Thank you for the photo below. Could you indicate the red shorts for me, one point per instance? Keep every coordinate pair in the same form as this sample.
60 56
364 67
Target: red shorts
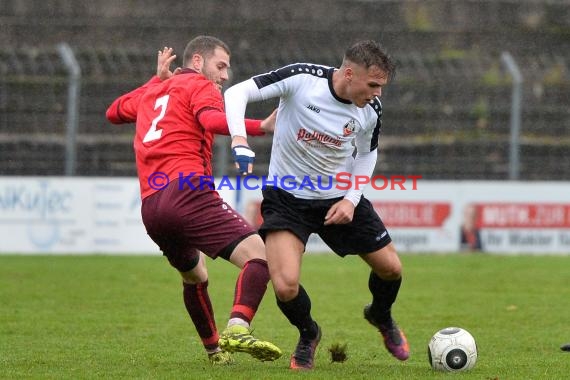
183 221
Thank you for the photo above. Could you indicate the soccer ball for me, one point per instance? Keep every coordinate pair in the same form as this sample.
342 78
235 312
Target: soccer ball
452 349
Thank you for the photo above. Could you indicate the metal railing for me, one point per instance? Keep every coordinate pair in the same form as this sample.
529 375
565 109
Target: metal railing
446 117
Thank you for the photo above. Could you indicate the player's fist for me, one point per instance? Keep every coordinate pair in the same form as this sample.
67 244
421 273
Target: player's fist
243 157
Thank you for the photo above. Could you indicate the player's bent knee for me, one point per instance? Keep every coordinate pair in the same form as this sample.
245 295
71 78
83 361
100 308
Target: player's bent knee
285 292
387 270
198 272
391 273
195 276
183 260
250 248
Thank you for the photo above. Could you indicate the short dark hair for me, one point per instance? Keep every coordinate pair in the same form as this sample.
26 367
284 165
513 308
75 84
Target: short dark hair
203 45
369 53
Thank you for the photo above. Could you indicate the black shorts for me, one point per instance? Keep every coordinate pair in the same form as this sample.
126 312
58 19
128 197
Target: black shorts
183 221
283 211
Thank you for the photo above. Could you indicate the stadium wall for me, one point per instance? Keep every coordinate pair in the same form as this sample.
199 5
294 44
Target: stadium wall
61 215
450 101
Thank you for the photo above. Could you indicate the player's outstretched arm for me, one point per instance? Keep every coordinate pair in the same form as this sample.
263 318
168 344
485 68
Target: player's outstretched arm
214 121
236 99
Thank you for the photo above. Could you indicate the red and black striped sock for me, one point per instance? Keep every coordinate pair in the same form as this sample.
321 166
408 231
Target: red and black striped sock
250 288
199 307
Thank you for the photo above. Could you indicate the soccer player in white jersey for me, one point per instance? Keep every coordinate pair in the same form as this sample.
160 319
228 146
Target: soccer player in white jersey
324 114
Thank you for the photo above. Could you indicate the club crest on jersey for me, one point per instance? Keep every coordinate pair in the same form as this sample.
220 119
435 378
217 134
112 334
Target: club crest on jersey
349 127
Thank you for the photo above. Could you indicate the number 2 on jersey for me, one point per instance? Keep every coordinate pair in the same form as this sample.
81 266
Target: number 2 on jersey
153 133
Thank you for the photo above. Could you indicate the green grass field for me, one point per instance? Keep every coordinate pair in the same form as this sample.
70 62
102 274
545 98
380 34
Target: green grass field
120 317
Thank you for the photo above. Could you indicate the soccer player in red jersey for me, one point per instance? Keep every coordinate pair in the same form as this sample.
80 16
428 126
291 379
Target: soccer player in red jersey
177 115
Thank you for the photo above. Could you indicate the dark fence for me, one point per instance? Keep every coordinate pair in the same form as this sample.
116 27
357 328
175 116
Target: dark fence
446 114
446 117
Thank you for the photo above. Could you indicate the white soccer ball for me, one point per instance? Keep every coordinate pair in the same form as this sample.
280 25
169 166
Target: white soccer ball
452 349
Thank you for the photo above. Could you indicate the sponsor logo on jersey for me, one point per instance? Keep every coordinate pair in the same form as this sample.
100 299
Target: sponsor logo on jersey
313 108
349 127
324 139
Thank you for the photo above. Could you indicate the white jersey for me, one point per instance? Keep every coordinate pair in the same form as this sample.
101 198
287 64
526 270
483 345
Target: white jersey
316 131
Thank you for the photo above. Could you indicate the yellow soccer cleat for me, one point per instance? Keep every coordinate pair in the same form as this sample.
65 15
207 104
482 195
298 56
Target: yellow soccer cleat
239 339
220 358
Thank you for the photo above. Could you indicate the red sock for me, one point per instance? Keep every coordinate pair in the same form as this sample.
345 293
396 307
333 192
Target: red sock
250 288
199 307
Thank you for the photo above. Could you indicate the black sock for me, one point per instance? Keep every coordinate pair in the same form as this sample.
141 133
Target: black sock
298 312
384 294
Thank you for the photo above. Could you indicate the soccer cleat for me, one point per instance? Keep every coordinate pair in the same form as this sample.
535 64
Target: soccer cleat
304 356
220 358
394 338
239 339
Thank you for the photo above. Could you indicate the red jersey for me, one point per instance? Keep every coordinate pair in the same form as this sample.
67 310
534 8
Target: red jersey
176 120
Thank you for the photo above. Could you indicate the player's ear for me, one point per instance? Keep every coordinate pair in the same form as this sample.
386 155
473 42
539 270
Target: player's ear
197 62
348 73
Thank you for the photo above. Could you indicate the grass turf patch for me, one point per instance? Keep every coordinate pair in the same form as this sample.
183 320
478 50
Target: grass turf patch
117 317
